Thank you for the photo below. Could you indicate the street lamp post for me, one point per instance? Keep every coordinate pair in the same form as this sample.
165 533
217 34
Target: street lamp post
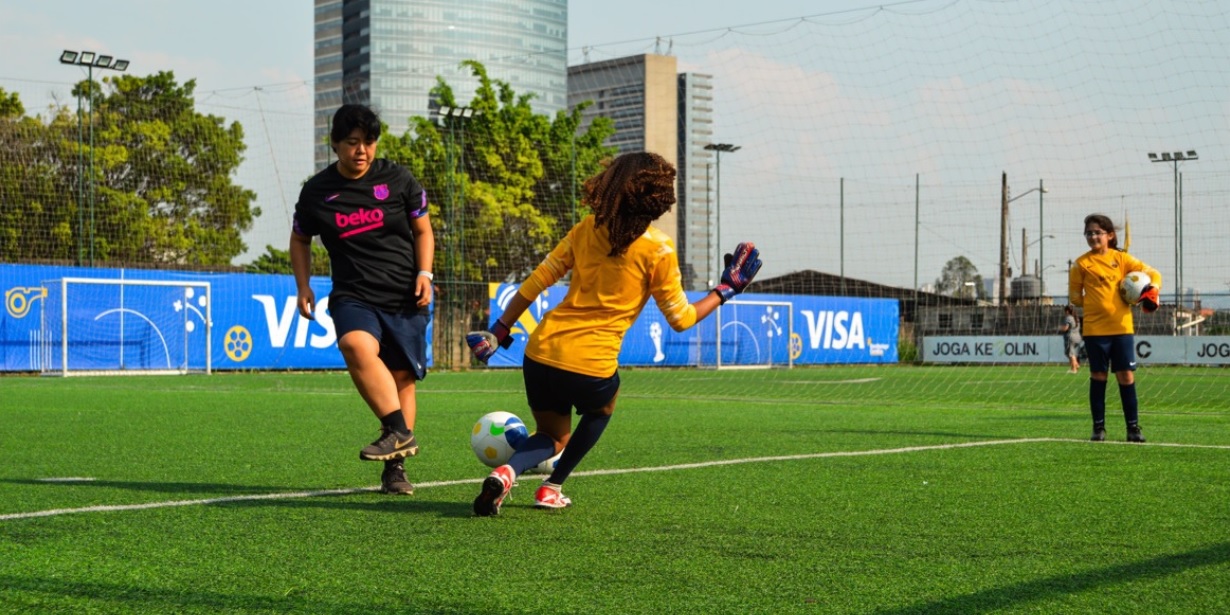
1025 258
717 217
90 61
1003 231
1174 160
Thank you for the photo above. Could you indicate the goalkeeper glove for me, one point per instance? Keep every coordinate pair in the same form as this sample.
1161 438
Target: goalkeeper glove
484 343
741 267
1149 299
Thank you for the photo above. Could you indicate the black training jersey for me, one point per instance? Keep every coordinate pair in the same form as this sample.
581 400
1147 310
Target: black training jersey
365 226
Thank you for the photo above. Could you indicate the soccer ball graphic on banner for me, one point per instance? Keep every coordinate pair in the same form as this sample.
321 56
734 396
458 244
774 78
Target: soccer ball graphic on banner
1133 284
495 437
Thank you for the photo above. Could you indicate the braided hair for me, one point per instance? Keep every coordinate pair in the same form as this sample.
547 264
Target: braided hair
634 190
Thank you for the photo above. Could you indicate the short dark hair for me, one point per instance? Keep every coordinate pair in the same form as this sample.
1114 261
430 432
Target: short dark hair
350 117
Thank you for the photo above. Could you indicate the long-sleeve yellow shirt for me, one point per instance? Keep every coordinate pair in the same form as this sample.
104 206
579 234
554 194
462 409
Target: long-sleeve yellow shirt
585 332
1093 283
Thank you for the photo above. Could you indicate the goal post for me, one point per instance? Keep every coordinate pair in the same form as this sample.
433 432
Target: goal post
750 334
112 326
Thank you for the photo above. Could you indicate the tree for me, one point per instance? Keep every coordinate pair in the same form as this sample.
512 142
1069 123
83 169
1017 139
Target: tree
278 261
162 178
956 277
166 176
501 184
36 212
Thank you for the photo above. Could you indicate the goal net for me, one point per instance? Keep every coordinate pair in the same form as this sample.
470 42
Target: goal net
96 326
747 334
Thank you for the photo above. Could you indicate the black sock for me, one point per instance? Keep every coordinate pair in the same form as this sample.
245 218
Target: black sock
1127 393
1097 400
535 450
395 421
588 430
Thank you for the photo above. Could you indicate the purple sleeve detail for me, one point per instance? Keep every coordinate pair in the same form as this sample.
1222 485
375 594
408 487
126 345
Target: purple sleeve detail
421 209
298 230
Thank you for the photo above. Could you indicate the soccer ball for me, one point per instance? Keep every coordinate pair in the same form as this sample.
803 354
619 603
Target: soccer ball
495 437
1134 284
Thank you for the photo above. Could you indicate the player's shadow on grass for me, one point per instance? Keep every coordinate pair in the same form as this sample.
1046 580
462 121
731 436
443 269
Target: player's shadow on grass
1014 596
377 502
315 497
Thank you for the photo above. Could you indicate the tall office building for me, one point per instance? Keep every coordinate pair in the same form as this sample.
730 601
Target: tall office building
697 183
387 54
640 94
655 109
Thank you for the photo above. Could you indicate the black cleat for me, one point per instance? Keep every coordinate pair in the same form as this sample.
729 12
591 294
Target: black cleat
1099 432
393 479
1134 435
389 446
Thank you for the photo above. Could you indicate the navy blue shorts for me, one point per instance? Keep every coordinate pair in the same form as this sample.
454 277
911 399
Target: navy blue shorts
1111 353
550 389
402 337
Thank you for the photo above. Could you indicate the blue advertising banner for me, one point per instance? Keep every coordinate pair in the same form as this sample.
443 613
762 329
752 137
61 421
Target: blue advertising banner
755 329
161 326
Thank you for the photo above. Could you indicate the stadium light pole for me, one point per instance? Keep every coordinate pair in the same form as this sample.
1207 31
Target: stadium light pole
717 217
1174 159
90 61
450 117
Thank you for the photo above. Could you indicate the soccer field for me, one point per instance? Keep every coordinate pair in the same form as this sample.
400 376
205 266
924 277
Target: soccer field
813 490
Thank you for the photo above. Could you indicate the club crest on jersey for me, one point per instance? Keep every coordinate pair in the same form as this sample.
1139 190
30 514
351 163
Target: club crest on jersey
381 192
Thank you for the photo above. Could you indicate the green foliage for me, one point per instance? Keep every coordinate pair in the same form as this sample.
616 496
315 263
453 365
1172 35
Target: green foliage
161 182
278 261
953 278
504 184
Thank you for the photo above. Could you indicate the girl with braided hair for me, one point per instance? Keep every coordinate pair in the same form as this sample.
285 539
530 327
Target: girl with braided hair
618 261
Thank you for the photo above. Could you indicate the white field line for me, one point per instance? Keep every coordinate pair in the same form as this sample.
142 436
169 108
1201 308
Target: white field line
448 483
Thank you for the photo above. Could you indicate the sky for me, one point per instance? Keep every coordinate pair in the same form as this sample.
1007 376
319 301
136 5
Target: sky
869 130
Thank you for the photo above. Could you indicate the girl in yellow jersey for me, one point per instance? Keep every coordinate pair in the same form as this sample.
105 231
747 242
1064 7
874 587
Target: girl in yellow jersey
1093 283
618 261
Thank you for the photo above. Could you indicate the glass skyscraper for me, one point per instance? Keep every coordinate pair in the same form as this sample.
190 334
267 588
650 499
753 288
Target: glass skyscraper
387 54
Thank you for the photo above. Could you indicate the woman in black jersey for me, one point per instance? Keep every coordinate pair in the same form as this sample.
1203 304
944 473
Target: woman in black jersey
371 216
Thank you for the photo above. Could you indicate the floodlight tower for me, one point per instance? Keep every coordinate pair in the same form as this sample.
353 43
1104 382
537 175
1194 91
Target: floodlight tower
90 61
717 218
1174 159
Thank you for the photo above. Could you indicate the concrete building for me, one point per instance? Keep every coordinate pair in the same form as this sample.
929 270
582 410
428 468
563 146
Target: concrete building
656 109
387 54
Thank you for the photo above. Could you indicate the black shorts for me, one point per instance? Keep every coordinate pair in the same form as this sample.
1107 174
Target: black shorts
550 389
402 337
1111 353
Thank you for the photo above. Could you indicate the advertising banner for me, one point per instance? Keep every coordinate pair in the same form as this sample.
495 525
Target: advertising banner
255 323
1150 349
752 330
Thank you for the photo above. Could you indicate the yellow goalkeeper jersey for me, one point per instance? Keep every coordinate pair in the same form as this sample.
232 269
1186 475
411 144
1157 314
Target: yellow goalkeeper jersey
1093 283
585 332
